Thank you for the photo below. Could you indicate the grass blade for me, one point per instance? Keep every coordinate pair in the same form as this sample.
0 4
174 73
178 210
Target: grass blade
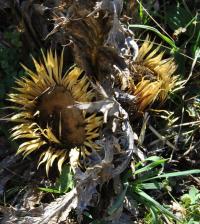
164 37
150 166
157 205
118 203
176 174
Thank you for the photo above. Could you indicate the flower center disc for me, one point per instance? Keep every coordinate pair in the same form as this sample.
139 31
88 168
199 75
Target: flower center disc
67 124
141 71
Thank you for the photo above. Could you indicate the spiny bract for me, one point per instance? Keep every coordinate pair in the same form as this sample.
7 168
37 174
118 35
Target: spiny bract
48 120
151 75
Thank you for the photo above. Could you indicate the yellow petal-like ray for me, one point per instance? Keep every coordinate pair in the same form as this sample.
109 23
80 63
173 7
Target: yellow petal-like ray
28 95
155 75
61 161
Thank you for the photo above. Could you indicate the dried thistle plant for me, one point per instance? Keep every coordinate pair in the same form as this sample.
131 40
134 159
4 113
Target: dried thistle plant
46 117
151 76
95 33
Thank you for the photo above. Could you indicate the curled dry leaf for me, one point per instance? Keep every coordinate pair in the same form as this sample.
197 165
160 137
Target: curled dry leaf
97 35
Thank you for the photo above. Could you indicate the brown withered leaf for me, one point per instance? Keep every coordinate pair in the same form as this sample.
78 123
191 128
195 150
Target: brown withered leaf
32 198
42 214
96 33
35 24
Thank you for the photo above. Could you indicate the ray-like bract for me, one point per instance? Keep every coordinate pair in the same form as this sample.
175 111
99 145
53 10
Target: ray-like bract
153 77
49 83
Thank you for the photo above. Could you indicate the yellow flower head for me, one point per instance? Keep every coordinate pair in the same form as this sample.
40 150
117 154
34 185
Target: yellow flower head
48 120
152 76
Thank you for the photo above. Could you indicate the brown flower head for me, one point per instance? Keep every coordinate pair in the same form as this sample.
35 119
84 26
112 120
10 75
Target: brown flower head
152 76
47 120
